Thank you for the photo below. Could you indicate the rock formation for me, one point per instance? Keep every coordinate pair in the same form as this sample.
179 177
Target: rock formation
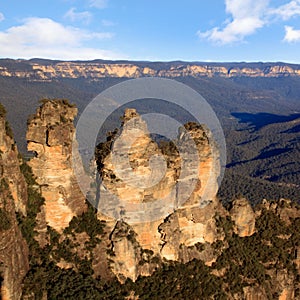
11 167
248 253
243 216
193 229
169 235
13 198
50 135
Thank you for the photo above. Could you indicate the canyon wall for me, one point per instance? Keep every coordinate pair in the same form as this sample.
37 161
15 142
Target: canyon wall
13 198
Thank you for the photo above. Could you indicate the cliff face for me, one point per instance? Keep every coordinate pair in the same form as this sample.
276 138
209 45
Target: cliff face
247 253
50 135
13 198
93 70
11 167
172 235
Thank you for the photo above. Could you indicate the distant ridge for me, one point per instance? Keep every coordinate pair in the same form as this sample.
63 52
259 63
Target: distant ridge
47 70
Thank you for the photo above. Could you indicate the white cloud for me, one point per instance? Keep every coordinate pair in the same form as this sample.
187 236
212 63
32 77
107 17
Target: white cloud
288 10
98 3
43 37
291 34
1 17
233 32
246 8
247 17
84 16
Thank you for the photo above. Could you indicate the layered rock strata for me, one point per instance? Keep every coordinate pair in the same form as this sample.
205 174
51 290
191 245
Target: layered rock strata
13 198
50 135
48 71
171 235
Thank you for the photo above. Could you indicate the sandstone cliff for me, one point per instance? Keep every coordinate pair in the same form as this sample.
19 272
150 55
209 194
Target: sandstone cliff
13 198
244 217
50 135
166 234
50 70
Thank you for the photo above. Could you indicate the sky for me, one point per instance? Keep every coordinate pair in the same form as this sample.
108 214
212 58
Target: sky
165 30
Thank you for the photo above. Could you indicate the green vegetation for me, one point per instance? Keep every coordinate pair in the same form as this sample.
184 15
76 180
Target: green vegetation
89 223
27 223
248 260
236 185
2 111
45 278
5 222
103 149
8 130
7 126
180 281
242 262
63 119
35 201
3 185
57 102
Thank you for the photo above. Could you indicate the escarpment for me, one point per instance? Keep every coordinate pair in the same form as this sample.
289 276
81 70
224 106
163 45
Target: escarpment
13 198
51 70
50 136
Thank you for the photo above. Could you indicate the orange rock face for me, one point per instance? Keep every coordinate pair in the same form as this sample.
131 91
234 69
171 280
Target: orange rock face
50 135
13 198
244 217
94 70
171 233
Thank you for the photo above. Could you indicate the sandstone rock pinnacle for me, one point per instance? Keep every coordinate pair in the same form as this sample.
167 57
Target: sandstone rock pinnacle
50 135
173 236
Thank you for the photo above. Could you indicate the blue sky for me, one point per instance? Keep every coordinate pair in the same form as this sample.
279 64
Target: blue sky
191 30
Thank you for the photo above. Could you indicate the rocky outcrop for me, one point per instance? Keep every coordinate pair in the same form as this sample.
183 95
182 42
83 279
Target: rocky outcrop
50 135
11 167
194 229
194 223
284 208
254 293
13 198
244 217
51 70
126 251
170 235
